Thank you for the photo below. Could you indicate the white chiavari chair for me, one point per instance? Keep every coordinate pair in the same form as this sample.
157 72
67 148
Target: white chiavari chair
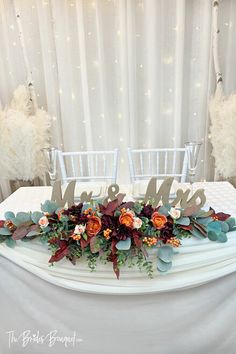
159 162
99 168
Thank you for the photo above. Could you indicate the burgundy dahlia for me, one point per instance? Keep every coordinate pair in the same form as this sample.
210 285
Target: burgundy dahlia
167 232
147 211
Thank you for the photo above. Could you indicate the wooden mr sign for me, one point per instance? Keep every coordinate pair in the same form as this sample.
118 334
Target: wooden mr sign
157 197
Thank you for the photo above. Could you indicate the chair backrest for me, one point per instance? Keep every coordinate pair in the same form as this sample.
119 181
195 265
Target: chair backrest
88 166
147 163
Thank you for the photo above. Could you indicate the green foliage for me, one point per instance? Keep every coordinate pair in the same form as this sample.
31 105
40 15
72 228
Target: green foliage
9 215
5 232
231 223
137 207
10 242
164 210
224 226
49 206
3 238
124 245
23 217
204 221
163 266
212 236
165 253
222 237
36 216
214 226
184 220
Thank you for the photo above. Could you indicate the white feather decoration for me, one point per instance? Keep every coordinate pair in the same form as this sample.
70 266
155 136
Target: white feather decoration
223 134
22 138
223 113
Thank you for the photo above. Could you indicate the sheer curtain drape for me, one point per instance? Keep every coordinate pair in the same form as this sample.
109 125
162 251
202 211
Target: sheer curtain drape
119 73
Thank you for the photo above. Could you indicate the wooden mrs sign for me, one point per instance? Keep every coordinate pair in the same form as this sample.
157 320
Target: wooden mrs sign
152 194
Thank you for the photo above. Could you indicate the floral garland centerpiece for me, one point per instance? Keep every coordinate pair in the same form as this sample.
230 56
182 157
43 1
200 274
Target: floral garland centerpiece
115 231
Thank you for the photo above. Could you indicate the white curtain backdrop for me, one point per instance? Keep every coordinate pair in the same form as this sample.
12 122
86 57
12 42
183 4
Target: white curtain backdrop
119 73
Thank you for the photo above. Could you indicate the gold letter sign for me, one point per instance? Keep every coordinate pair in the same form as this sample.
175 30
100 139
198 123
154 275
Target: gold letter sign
198 199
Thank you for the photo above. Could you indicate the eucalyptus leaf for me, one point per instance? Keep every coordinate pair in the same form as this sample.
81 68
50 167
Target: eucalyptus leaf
23 217
230 222
9 215
85 207
165 253
224 226
49 206
36 216
16 222
214 226
3 238
183 221
32 233
124 245
222 237
196 233
163 266
163 210
10 242
4 231
213 236
204 221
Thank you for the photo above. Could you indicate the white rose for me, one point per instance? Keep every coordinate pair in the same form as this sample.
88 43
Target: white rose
43 221
79 229
175 213
137 223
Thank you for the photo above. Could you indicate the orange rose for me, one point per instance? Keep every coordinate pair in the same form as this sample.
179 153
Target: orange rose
158 220
93 226
127 219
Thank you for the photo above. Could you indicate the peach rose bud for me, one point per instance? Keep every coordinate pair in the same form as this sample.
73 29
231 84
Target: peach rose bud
137 223
43 221
175 213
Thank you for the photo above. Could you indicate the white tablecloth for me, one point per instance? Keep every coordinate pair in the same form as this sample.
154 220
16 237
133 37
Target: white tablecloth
163 317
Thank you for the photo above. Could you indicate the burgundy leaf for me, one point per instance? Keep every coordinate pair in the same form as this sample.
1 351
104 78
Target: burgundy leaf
2 222
20 232
94 245
72 259
189 227
113 246
61 253
84 243
128 205
137 240
221 216
112 206
34 228
115 266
